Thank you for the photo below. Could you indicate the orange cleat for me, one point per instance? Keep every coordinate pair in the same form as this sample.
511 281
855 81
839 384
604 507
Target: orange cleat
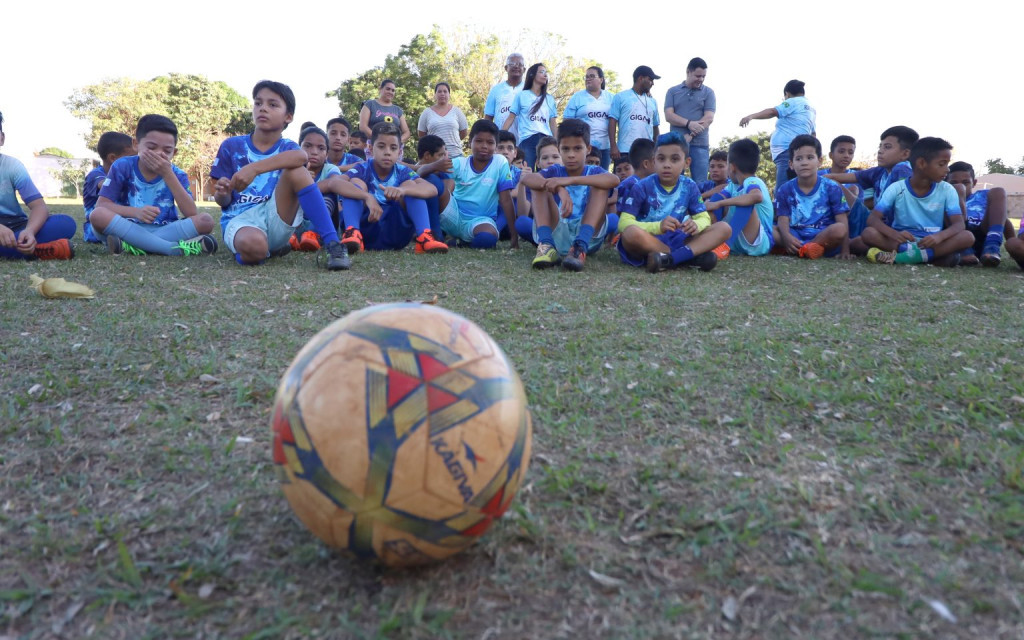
426 243
722 251
56 250
353 240
293 242
310 241
811 251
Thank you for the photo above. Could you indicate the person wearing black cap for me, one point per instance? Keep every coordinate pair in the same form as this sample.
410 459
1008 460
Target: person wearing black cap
634 112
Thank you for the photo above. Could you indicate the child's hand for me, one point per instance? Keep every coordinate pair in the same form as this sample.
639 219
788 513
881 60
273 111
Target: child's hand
26 242
689 226
669 224
443 165
147 213
7 238
792 244
744 121
927 242
222 188
155 162
844 254
906 236
374 209
552 185
566 207
243 178
392 193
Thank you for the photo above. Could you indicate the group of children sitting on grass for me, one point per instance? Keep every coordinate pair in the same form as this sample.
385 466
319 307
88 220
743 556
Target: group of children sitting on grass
331 193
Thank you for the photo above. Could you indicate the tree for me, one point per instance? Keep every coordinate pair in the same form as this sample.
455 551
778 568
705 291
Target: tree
471 62
116 105
995 165
71 174
766 167
55 151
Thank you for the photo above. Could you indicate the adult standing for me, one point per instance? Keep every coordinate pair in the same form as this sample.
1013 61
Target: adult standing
444 120
499 99
634 113
796 116
592 105
690 110
383 109
533 112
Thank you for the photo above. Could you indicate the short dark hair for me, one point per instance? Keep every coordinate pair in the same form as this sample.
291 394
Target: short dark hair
838 140
600 74
483 126
745 154
624 159
311 128
385 129
594 153
155 122
429 144
281 89
305 125
505 135
641 149
113 142
794 88
927 148
720 156
906 136
696 63
805 140
520 154
546 141
358 135
339 120
442 84
962 166
574 128
387 81
673 138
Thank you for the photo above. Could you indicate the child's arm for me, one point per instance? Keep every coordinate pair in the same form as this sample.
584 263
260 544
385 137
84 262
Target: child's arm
348 189
416 188
752 197
842 178
38 212
764 114
440 166
284 160
717 188
603 180
145 214
505 200
163 168
523 203
877 221
364 121
955 225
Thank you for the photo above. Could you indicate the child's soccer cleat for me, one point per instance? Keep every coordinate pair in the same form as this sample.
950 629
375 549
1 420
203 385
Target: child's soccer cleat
950 260
704 262
811 251
878 256
722 251
657 261
968 258
575 259
426 243
989 259
56 250
353 240
117 246
613 240
281 251
205 245
310 241
337 257
547 256
293 242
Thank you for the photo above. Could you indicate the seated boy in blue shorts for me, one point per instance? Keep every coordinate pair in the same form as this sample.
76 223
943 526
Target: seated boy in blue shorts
718 174
435 167
138 206
746 202
112 145
39 235
483 183
663 223
919 219
985 217
811 215
264 189
384 202
576 223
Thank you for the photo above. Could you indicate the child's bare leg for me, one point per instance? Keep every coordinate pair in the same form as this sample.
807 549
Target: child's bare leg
831 236
639 242
251 245
873 238
1015 247
953 244
709 238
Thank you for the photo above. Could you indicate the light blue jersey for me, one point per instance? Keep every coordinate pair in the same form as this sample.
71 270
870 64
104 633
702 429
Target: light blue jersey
977 208
499 102
910 212
578 193
648 201
14 179
796 117
815 210
477 193
765 210
237 152
636 114
593 111
125 185
532 124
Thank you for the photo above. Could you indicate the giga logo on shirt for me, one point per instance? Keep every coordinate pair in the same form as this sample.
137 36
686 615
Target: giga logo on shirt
597 114
537 118
641 118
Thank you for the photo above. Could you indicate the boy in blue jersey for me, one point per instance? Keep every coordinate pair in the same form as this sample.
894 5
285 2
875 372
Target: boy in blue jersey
112 145
582 200
435 167
663 222
338 137
634 113
985 217
718 174
641 161
138 206
483 183
39 235
384 202
746 202
919 219
314 142
811 217
264 189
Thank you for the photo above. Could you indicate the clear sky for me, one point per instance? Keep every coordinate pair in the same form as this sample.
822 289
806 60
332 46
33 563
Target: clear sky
939 67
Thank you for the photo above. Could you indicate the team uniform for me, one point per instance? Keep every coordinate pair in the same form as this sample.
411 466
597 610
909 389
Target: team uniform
90 193
875 181
595 112
648 203
499 103
810 213
349 158
796 117
475 200
330 199
14 180
765 213
126 186
920 215
567 229
636 116
395 229
532 126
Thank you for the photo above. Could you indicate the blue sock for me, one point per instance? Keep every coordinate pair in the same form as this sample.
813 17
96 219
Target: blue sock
524 227
682 254
484 240
584 236
904 246
434 206
544 235
927 254
351 212
417 210
315 210
613 223
993 240
739 219
140 238
238 259
969 251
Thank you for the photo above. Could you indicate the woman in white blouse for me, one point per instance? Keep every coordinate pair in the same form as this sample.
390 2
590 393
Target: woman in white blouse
445 120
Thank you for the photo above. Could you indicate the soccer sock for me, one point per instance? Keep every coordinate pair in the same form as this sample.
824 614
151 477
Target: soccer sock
417 210
434 206
613 224
585 235
484 240
682 254
351 212
57 226
906 246
993 240
524 227
177 231
927 255
140 238
739 219
314 208
912 255
544 235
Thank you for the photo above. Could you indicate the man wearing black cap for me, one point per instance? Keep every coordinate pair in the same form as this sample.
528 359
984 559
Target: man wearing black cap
634 113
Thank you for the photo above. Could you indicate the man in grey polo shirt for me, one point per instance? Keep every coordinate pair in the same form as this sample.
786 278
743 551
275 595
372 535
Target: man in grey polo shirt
690 109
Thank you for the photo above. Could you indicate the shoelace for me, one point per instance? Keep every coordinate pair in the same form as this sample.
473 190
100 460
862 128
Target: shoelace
130 250
193 248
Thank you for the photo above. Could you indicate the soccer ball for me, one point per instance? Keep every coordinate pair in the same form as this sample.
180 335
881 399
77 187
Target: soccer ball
400 433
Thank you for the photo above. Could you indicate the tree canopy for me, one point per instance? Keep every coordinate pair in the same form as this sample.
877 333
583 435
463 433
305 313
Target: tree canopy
766 167
996 165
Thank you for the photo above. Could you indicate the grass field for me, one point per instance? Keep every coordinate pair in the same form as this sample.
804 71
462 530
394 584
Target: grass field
775 449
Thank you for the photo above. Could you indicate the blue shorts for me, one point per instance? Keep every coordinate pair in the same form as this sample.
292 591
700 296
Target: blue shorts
453 223
858 219
264 217
565 232
672 239
392 232
759 247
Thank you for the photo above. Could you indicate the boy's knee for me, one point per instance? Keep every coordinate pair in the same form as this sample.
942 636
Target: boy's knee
297 177
251 244
100 218
203 223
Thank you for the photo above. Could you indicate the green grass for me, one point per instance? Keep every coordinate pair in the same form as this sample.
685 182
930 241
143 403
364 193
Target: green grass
819 449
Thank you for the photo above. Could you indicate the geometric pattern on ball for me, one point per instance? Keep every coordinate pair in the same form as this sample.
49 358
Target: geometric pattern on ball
420 401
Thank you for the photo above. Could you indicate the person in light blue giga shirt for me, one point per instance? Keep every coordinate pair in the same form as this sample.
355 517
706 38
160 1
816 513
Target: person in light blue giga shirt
634 113
795 117
499 99
593 105
533 112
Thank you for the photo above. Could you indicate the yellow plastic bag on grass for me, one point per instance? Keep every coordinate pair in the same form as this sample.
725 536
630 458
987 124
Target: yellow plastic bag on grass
60 288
